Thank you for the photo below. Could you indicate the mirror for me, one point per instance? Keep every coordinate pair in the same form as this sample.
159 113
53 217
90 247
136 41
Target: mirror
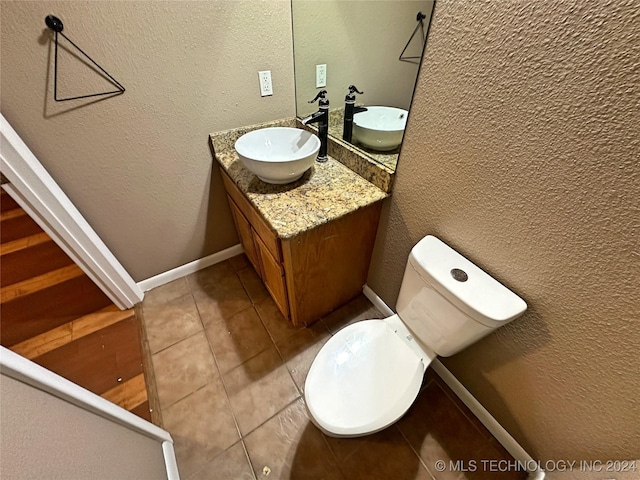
361 43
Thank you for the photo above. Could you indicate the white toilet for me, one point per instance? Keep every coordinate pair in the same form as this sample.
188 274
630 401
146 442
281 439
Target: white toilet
369 373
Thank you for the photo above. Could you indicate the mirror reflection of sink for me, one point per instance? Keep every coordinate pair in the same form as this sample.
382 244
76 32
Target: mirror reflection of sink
278 154
380 128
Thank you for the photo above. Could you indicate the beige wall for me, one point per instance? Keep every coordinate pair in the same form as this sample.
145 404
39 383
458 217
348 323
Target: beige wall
360 42
138 165
522 153
44 436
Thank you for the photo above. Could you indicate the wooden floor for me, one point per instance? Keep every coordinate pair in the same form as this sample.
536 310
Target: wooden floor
54 315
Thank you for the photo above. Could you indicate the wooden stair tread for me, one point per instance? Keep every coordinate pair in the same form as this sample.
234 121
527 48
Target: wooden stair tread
6 202
23 243
129 394
101 360
13 213
41 282
31 262
18 227
64 334
46 309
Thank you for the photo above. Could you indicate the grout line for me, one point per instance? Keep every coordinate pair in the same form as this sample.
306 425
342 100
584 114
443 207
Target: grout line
176 342
215 360
248 457
420 460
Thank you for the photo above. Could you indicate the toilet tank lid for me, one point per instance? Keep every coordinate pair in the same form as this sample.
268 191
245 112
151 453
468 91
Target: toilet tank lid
464 284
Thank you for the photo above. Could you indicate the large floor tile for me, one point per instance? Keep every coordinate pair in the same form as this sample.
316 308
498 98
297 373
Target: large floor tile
291 447
252 283
220 299
211 275
183 368
385 455
233 463
240 262
300 349
279 327
438 430
167 292
169 322
258 389
238 339
202 427
360 308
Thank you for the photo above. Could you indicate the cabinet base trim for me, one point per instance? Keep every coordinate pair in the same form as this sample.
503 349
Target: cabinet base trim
189 268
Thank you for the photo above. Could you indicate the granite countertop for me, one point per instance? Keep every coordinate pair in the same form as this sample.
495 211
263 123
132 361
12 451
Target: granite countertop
326 192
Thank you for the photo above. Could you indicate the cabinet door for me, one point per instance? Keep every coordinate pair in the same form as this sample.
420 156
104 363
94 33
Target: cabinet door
273 277
246 237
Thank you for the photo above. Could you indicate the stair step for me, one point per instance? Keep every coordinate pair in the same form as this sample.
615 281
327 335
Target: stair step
16 227
32 262
13 213
102 360
78 328
41 282
22 243
6 202
129 394
47 309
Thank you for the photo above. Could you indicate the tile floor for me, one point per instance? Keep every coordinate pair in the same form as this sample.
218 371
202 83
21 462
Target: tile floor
230 373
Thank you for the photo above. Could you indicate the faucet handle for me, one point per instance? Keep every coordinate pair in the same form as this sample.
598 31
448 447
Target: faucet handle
322 95
351 96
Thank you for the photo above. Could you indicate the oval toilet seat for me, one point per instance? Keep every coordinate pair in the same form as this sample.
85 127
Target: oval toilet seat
363 379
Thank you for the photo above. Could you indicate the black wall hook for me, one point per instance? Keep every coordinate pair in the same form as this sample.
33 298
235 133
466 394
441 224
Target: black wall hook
55 24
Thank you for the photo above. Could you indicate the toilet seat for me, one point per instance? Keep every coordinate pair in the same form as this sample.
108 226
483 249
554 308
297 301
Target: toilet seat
364 378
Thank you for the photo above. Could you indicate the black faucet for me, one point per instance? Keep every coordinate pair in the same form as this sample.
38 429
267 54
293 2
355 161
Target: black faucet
321 117
350 110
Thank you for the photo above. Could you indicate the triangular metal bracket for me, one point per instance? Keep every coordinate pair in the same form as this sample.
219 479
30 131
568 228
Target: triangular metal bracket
55 24
415 59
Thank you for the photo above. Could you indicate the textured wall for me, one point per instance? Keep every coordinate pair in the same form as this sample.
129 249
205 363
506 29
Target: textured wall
338 33
138 166
46 437
522 152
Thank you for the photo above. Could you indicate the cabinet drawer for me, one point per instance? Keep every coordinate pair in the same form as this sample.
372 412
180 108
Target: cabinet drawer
269 238
273 277
246 236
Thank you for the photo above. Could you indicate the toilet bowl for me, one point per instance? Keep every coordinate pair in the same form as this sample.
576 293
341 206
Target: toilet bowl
369 373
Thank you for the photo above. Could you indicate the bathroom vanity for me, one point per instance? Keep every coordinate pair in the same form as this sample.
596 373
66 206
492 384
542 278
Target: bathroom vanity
310 241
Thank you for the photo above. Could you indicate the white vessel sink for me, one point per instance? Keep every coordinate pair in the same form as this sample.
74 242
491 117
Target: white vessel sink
380 128
278 154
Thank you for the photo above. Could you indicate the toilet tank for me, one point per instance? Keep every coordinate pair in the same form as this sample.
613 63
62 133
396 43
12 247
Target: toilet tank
448 302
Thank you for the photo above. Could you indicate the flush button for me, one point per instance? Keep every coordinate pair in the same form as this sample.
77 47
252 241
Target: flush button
459 275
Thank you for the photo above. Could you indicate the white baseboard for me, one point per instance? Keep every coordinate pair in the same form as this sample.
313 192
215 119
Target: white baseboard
188 268
506 440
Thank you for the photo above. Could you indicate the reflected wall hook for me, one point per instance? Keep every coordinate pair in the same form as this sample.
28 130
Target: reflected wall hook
55 24
419 18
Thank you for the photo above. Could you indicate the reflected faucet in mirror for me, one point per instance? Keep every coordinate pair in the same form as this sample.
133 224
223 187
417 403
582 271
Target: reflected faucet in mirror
339 35
321 117
350 109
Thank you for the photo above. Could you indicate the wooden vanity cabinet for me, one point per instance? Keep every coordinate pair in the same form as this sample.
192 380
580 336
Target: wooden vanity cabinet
314 272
